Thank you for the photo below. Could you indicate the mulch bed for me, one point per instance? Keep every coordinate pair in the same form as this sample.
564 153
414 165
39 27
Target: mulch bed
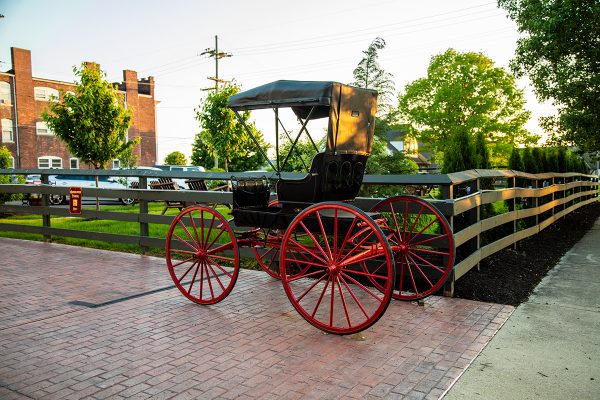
509 276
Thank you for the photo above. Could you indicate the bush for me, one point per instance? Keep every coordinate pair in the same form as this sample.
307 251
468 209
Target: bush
5 163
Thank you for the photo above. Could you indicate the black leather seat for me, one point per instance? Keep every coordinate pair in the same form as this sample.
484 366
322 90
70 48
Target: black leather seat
332 177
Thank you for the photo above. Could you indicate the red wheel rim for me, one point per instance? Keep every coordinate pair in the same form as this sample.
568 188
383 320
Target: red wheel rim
422 242
328 275
267 256
202 255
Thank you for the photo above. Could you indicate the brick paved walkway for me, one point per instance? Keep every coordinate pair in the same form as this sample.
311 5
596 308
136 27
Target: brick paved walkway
117 342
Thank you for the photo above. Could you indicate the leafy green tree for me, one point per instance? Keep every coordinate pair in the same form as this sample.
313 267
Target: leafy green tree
515 162
5 163
538 157
175 158
201 155
300 159
466 92
129 158
481 149
252 159
559 51
459 154
529 164
223 134
561 159
92 122
369 75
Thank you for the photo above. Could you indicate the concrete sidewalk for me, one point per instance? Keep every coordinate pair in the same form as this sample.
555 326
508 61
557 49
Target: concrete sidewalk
550 346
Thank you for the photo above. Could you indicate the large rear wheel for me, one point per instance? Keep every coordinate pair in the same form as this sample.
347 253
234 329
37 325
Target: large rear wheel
339 268
422 242
202 255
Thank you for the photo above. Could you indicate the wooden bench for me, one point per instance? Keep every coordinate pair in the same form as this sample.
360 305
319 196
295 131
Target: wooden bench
200 184
168 184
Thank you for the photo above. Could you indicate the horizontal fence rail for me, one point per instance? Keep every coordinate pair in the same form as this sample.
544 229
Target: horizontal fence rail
532 202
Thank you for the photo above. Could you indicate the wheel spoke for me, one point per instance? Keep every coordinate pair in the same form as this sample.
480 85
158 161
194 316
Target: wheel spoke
315 241
428 262
412 228
215 275
186 272
368 274
412 278
207 234
215 239
347 238
183 251
404 221
423 230
298 276
321 296
299 298
343 300
420 270
229 274
442 253
306 249
357 246
185 242
363 287
193 279
431 239
358 303
332 303
324 235
335 234
182 262
195 229
186 231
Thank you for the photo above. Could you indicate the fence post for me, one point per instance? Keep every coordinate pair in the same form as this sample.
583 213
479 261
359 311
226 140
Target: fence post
448 194
144 229
46 212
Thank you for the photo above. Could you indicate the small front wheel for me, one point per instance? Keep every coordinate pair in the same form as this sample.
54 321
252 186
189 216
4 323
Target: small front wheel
202 255
339 268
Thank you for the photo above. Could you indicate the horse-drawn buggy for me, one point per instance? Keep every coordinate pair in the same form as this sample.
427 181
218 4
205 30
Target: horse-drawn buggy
339 265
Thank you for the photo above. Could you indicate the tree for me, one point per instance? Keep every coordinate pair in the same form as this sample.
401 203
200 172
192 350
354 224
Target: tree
201 155
175 158
481 150
129 158
559 51
466 92
369 75
5 163
223 135
515 162
459 154
300 159
92 122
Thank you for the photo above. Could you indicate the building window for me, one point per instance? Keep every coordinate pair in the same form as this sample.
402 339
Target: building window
45 93
7 130
5 96
49 162
12 162
74 163
116 164
41 128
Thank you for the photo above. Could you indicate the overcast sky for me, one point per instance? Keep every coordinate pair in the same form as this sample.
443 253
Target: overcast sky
268 40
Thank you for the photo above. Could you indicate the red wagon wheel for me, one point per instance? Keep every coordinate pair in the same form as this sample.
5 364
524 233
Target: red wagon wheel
202 255
268 255
422 242
332 253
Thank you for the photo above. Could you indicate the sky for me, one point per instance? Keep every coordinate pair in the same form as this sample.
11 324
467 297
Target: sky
267 39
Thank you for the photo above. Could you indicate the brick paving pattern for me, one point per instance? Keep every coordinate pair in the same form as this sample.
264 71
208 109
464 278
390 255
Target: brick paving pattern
251 345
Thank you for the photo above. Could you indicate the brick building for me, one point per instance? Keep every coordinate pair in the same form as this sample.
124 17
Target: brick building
23 98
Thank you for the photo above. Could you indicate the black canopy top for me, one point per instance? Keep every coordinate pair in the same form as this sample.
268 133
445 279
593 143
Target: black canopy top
351 110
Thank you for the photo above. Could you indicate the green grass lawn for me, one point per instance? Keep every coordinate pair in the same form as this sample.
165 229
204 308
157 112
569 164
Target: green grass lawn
92 225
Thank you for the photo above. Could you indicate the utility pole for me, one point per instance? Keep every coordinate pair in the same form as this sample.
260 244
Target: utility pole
217 55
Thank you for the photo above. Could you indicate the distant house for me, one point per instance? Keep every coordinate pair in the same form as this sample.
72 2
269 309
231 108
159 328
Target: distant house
32 144
399 142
